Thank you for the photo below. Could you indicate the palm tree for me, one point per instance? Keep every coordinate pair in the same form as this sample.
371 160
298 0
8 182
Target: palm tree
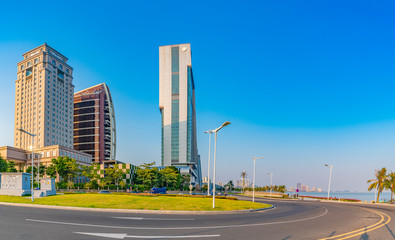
389 183
378 182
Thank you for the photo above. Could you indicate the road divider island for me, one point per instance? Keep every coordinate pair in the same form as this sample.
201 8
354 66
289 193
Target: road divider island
140 202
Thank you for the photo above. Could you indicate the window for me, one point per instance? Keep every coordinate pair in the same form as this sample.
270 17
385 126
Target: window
29 64
53 62
36 61
29 72
60 66
60 75
22 67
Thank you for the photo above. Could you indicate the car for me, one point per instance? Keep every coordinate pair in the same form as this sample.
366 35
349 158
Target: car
104 191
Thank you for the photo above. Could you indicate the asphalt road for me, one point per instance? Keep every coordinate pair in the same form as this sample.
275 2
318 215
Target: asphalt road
289 220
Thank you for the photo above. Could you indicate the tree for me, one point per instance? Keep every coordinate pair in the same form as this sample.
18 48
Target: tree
122 184
29 170
92 172
282 189
89 185
185 179
378 182
42 169
11 167
169 176
3 165
103 183
114 175
148 175
230 185
64 167
70 185
389 183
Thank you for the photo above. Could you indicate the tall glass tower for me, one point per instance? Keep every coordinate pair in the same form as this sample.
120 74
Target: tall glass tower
177 106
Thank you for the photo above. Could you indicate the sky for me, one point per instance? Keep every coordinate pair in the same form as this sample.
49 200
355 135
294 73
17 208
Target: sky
304 83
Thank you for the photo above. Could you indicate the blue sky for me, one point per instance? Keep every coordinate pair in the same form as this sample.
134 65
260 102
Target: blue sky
304 83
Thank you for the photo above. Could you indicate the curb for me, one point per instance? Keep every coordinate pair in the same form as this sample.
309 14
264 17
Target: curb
133 210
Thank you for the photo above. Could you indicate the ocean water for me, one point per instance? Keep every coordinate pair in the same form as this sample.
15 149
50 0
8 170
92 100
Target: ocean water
363 196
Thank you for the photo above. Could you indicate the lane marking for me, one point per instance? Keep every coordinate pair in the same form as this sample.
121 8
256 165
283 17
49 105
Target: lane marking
361 229
365 229
158 219
122 236
180 228
369 230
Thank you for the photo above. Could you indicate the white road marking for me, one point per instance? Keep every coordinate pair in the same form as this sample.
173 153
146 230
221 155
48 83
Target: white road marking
159 219
122 236
179 228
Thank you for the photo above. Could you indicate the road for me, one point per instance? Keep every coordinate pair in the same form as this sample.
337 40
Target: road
289 220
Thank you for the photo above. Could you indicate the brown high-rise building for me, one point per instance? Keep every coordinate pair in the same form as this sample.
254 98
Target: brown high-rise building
94 123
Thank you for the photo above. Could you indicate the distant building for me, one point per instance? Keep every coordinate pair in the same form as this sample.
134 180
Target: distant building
305 188
299 186
205 180
178 110
94 123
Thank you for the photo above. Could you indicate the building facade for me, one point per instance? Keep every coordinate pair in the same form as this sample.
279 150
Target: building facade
94 123
44 99
177 107
128 170
43 156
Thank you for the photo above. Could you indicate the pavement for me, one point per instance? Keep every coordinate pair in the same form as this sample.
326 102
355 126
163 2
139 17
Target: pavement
288 220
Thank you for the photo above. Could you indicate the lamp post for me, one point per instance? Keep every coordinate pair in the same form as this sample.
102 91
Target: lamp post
209 147
330 176
271 182
38 171
215 155
32 135
253 181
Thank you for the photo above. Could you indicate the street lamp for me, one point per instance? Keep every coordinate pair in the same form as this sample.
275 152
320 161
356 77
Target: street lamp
215 155
209 147
330 175
253 181
32 135
271 182
38 170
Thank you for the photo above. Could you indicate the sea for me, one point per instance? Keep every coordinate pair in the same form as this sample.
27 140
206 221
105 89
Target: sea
363 196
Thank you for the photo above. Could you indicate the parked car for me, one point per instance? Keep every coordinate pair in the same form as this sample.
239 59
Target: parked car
156 190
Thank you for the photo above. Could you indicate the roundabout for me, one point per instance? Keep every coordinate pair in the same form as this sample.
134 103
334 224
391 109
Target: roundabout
288 220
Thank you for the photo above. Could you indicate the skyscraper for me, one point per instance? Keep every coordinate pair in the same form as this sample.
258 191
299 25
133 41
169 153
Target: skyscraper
44 106
44 99
177 106
94 123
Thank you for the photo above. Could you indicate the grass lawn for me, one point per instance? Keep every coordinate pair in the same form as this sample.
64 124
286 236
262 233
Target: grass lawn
123 201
